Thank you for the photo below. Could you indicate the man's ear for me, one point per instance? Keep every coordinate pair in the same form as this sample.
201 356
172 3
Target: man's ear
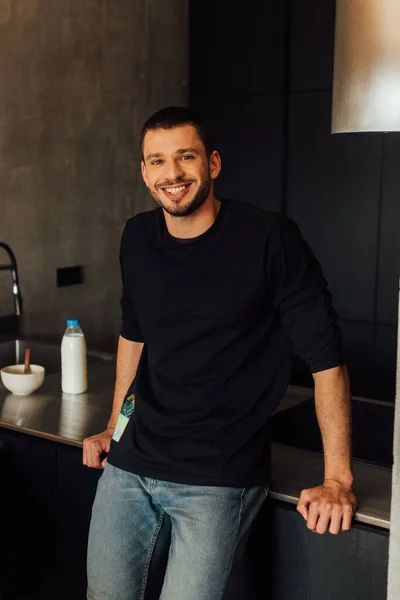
215 164
144 173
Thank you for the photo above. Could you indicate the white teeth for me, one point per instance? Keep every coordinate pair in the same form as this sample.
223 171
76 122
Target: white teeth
175 190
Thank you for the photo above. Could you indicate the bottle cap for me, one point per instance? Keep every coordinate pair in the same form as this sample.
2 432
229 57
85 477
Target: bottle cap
72 322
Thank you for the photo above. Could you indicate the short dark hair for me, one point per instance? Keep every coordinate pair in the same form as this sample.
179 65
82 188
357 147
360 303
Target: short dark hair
176 116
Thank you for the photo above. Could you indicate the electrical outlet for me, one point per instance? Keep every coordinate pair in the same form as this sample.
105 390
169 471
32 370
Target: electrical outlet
69 276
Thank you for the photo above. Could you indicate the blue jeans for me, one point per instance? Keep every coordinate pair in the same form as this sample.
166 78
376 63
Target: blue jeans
209 528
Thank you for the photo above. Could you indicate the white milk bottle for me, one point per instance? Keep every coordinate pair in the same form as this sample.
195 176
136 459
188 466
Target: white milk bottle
73 359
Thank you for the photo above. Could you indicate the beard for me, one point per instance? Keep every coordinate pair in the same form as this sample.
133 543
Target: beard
192 206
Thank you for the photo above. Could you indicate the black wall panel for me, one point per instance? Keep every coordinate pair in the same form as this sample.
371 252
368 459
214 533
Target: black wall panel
389 256
312 42
333 189
385 363
237 47
263 76
358 344
248 134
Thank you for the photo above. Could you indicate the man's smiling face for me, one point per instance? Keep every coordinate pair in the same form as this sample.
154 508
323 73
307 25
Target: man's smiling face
176 169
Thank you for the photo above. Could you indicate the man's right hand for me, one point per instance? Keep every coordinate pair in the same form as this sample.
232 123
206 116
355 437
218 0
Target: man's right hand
94 447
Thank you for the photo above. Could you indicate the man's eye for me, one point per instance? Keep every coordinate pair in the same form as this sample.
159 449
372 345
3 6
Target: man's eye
187 156
156 162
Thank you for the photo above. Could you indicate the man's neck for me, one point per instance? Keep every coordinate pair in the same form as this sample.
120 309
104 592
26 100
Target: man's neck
196 224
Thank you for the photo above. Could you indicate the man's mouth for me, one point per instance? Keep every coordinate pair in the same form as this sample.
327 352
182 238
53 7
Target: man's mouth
176 192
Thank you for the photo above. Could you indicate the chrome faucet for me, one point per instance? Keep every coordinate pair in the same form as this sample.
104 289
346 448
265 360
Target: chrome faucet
12 267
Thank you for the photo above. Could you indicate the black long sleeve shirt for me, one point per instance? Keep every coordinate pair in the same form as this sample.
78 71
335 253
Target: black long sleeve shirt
219 315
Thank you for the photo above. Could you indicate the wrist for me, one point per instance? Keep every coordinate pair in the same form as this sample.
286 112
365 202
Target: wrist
345 481
110 428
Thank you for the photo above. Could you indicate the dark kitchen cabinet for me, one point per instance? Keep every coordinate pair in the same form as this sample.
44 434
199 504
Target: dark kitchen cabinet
4 562
46 498
76 486
29 517
285 561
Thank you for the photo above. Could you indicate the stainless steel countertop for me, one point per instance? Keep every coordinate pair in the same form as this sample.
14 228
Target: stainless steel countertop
69 419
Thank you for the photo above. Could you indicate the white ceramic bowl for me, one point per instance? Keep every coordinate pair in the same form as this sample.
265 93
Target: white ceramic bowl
20 383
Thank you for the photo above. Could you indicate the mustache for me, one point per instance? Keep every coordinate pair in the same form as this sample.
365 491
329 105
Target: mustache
171 183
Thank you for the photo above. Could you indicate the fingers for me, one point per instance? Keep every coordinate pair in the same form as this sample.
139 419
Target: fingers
86 459
84 453
325 514
336 520
96 450
347 516
302 505
92 455
92 449
313 516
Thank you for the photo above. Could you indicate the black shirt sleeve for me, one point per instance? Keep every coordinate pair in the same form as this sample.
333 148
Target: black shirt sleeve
301 297
130 327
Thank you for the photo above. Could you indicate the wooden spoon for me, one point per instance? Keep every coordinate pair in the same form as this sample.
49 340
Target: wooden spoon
27 368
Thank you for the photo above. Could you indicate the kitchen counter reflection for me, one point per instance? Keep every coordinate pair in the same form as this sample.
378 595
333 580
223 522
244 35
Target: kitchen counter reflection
36 411
53 415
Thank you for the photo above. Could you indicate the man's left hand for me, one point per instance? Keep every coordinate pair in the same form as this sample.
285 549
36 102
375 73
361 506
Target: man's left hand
328 507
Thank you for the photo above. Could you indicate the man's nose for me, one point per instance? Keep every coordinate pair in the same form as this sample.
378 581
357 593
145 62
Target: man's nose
173 170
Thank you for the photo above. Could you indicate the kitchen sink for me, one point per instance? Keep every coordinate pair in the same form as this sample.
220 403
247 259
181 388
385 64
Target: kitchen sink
42 353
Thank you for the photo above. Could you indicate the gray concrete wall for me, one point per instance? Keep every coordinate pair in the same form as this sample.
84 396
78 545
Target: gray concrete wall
77 80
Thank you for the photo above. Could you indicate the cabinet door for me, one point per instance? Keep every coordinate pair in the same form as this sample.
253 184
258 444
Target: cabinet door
5 583
76 491
29 514
288 562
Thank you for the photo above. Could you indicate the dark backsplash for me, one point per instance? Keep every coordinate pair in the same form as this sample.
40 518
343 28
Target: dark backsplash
372 430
